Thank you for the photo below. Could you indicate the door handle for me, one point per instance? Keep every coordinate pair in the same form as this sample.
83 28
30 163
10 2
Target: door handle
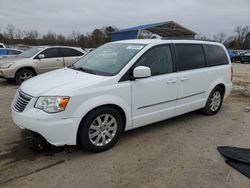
184 79
58 59
171 81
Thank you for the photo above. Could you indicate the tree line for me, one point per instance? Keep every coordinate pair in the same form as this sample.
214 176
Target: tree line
240 40
12 35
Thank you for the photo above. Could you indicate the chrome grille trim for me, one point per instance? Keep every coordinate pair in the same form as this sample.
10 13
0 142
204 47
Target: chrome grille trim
21 101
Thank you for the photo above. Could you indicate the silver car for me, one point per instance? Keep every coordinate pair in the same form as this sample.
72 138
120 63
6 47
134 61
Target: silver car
38 60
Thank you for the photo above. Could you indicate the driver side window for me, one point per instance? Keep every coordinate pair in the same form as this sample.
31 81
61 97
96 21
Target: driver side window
51 53
158 59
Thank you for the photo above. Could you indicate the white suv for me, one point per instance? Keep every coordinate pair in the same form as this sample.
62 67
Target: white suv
123 85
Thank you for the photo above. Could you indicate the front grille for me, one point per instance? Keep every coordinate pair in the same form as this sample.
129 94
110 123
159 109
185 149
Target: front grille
21 102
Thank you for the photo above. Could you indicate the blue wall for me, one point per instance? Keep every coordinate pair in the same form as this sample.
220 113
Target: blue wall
124 35
3 51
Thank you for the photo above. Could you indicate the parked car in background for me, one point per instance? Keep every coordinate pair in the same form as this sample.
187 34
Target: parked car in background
243 58
233 54
121 86
7 52
38 60
2 45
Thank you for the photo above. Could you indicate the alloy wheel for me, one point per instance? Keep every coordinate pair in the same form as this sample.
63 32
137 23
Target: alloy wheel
25 76
102 130
215 101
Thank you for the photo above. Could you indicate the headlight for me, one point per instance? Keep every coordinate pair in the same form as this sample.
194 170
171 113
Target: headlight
6 65
52 104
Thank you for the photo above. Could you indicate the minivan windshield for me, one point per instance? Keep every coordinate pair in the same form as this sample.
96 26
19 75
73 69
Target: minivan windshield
108 59
31 52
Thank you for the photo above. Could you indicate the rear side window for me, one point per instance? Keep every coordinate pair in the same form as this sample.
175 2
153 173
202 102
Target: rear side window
191 56
69 52
215 55
158 59
51 53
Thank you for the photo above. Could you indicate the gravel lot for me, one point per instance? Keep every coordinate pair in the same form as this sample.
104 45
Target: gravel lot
180 152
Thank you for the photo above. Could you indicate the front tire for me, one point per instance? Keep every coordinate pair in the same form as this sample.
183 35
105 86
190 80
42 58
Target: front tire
214 101
100 129
23 75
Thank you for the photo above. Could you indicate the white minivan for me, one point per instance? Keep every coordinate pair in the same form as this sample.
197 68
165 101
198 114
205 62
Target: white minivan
121 86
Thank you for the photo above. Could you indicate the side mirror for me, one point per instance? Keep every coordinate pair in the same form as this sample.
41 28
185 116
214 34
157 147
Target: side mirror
41 56
141 72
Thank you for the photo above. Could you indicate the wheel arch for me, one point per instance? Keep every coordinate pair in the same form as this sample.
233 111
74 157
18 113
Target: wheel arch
218 83
26 67
222 86
115 106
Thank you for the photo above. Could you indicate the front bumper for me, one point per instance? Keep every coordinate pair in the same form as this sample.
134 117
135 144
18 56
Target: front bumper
55 129
7 74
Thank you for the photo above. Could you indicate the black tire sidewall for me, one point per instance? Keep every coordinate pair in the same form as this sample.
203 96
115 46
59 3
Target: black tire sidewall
83 137
20 72
207 110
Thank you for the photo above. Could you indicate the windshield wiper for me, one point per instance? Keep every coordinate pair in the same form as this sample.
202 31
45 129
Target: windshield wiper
85 70
88 71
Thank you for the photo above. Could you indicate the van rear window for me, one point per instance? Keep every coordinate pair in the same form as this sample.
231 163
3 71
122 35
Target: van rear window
215 55
191 56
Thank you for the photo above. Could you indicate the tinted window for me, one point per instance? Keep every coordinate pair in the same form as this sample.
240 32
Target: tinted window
69 52
1 46
51 53
191 56
158 59
215 55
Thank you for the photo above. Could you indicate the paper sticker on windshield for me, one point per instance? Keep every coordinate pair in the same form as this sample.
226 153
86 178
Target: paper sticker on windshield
134 47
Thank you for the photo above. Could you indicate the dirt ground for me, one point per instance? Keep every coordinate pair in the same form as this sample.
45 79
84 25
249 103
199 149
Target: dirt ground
180 152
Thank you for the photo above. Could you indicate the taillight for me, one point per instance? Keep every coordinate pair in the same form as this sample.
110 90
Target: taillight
232 73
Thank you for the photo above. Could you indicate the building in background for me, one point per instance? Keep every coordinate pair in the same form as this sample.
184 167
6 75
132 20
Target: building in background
163 30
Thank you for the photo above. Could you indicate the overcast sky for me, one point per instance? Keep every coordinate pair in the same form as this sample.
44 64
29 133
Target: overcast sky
63 16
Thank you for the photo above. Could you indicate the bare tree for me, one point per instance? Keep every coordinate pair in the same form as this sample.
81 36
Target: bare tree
10 31
19 34
32 34
241 35
247 41
220 37
200 36
61 39
49 38
230 42
75 36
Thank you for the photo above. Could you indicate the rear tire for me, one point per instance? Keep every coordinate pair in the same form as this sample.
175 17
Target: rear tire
23 75
214 101
100 129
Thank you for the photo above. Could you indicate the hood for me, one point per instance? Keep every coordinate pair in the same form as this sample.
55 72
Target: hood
59 82
9 59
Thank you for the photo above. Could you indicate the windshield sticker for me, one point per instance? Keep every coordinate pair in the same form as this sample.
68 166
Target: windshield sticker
134 47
